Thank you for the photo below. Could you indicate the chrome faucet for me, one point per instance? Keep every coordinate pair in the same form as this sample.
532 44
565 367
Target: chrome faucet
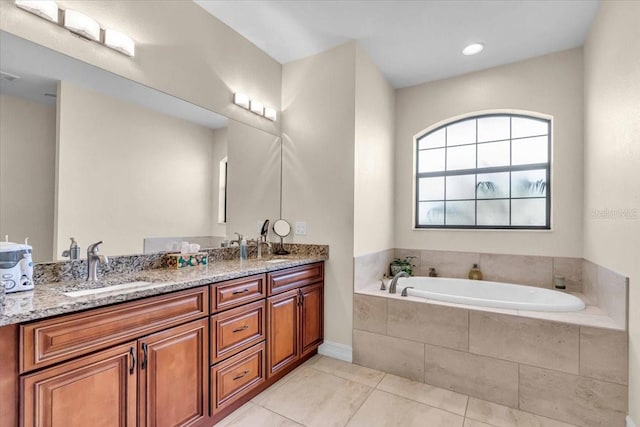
260 243
238 240
394 281
93 258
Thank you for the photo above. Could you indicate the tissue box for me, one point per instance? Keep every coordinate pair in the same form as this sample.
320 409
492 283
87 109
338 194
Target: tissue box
186 260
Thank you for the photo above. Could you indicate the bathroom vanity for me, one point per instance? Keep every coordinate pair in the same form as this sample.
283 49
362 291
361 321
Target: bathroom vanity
184 357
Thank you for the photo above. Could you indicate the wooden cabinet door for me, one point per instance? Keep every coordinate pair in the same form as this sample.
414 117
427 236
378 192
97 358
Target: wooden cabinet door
174 389
311 318
282 317
97 391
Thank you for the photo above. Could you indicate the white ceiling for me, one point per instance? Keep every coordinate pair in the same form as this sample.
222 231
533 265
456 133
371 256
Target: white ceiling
411 41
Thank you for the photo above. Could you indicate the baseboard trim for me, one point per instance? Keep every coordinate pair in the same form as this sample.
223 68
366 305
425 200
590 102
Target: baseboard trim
338 351
630 422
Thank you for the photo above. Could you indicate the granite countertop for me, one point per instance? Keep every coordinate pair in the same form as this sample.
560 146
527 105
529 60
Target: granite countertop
49 299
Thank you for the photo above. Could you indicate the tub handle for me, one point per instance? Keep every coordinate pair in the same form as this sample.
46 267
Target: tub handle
404 291
382 286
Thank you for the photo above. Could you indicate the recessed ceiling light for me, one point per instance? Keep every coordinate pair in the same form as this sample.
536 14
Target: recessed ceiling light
473 49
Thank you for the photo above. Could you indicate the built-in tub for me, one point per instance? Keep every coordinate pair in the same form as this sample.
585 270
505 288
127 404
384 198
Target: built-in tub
489 294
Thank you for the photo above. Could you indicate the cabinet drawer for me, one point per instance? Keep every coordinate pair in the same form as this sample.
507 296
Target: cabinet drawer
53 340
280 281
236 329
234 377
236 292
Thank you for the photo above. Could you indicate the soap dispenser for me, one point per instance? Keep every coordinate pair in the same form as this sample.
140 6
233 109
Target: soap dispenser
243 249
475 273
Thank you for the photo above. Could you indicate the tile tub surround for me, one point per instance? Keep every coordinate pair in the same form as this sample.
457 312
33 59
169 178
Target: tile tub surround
48 299
509 360
371 267
600 286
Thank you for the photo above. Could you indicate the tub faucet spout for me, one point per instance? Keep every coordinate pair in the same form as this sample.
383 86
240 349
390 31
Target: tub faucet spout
394 281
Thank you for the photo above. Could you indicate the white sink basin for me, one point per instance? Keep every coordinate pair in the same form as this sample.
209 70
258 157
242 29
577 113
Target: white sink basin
120 289
273 261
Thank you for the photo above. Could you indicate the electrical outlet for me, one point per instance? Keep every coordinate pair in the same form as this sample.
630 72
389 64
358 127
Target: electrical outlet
301 228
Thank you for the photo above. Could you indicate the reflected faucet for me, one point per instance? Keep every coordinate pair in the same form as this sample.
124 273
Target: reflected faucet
93 258
394 281
263 241
238 240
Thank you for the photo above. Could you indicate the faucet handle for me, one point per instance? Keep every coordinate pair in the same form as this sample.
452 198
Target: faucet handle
93 248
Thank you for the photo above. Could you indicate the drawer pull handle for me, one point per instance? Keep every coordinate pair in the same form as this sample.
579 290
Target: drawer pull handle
241 292
132 369
145 351
242 375
241 328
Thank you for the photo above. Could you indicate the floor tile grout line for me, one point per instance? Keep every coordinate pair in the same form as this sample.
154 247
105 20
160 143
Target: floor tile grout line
361 405
283 416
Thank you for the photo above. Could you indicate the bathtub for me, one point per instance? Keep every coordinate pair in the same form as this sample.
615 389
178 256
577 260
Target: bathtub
489 294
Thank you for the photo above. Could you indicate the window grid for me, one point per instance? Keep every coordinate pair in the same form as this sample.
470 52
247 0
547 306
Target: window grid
485 170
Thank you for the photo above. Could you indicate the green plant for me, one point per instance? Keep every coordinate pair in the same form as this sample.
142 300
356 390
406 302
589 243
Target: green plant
402 264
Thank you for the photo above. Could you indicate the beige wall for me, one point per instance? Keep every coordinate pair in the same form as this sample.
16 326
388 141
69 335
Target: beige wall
253 183
612 158
551 85
374 153
27 151
196 57
318 99
220 151
126 173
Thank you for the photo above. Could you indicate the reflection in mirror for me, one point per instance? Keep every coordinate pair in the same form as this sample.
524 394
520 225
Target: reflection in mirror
88 154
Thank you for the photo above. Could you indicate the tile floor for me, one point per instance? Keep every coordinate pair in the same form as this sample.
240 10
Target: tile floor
329 392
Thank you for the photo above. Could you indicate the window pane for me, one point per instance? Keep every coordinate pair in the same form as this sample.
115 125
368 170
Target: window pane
432 140
493 212
521 127
529 183
494 154
530 150
461 133
431 213
461 213
461 157
431 160
528 212
493 185
493 129
461 187
431 188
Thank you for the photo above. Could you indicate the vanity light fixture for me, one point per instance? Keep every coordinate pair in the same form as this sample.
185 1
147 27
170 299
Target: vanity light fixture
241 99
473 49
43 8
257 107
119 41
82 25
270 113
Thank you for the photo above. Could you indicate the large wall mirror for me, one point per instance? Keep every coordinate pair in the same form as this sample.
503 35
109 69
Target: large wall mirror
85 153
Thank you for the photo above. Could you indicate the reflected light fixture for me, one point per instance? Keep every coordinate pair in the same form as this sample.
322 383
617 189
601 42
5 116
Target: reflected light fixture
241 99
43 8
257 107
270 113
120 42
82 25
473 49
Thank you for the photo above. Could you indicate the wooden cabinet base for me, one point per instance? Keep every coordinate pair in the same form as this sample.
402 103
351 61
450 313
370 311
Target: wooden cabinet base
97 391
253 392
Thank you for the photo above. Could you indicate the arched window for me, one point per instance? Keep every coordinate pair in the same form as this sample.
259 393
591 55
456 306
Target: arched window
486 171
